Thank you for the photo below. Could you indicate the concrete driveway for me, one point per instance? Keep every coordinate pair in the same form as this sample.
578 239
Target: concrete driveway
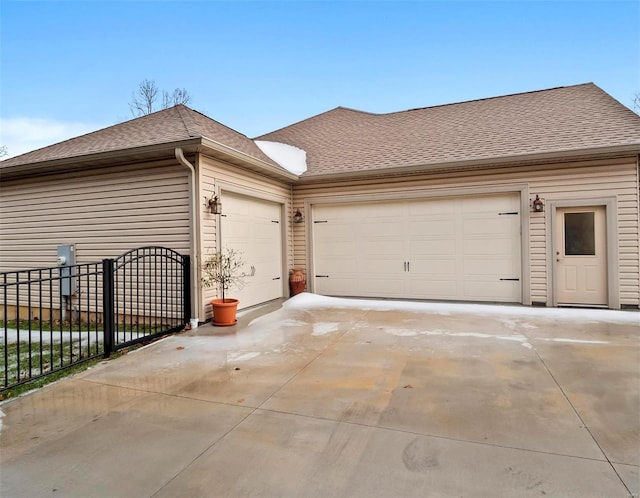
328 398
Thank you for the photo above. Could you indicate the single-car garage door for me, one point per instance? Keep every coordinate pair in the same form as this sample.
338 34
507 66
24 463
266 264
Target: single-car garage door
253 226
458 248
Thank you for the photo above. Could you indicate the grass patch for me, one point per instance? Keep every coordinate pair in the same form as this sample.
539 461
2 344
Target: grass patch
36 325
15 391
21 361
74 356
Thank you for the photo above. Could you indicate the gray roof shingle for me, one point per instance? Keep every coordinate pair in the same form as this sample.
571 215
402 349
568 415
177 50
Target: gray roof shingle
558 120
169 125
547 121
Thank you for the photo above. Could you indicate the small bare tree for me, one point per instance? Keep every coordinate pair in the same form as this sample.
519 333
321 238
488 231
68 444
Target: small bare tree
144 99
223 269
636 103
179 96
3 150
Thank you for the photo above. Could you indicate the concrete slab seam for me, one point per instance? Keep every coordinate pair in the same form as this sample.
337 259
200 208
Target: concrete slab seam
584 424
234 427
434 436
302 369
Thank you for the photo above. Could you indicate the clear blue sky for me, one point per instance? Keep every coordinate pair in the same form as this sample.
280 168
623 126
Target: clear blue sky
70 67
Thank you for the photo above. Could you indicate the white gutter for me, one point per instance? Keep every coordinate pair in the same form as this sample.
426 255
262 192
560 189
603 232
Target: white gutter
194 229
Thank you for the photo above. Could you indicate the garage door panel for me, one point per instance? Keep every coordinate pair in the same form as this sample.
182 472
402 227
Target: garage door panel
434 288
433 227
496 267
491 290
381 230
391 248
378 266
333 231
486 227
489 204
433 247
252 226
434 267
445 248
431 207
337 266
488 247
336 249
353 285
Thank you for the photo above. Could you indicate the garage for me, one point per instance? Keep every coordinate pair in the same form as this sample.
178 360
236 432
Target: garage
453 248
253 226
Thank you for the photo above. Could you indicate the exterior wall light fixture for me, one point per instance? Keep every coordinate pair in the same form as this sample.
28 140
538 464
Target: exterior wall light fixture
215 205
298 217
538 205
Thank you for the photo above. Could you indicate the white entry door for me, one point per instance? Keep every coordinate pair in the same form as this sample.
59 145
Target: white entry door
457 248
253 227
581 256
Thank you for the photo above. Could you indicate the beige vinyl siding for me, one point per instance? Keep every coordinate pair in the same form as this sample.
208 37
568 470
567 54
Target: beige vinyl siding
104 213
616 178
215 176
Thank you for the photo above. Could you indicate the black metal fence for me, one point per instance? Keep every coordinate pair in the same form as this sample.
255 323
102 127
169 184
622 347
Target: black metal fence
54 318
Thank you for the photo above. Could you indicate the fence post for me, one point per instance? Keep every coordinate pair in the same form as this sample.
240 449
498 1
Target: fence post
108 306
186 279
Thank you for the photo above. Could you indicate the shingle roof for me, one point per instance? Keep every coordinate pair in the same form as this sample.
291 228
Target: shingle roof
548 121
169 125
556 121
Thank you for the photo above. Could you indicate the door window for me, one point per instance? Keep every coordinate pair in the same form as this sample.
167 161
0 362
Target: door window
579 234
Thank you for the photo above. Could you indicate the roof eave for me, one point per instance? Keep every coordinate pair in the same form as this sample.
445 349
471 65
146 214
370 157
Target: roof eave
234 156
482 163
107 158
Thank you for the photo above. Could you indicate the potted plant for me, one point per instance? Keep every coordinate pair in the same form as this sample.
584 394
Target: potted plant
223 269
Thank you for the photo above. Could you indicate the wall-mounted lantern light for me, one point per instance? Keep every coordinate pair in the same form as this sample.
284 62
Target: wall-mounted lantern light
215 205
538 205
298 218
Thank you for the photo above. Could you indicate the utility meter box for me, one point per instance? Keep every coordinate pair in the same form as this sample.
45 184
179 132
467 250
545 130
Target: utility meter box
66 261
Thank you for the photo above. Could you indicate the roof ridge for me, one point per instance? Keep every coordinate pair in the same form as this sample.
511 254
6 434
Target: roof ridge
218 122
259 137
184 117
492 98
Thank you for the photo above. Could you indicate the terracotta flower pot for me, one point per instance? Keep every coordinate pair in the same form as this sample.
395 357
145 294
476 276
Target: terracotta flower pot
297 282
224 312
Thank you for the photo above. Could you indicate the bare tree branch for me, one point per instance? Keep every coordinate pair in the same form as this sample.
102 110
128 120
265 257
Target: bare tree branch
179 96
3 151
143 100
636 103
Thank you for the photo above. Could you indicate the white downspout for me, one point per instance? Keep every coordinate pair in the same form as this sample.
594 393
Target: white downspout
195 284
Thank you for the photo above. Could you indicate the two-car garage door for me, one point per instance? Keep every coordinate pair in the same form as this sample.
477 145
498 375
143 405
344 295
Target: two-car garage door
458 248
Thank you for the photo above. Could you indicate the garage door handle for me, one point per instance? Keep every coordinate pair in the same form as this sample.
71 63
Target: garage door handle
322 276
511 279
277 278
